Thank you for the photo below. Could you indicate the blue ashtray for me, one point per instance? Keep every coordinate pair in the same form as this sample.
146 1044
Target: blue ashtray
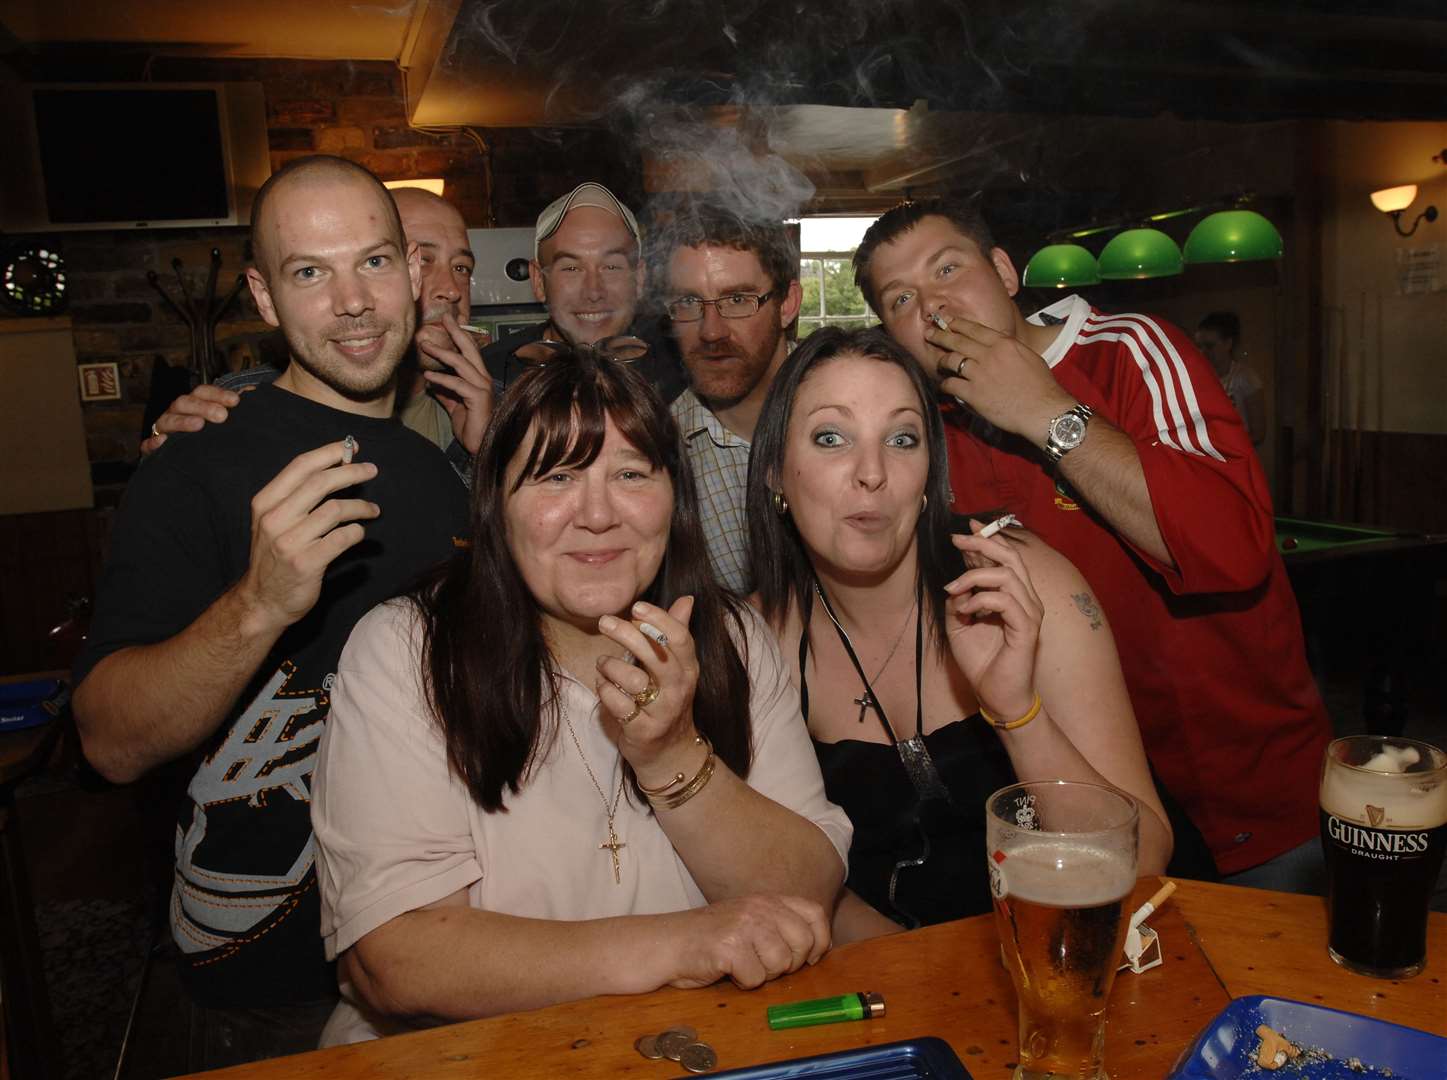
917 1059
1336 1045
30 704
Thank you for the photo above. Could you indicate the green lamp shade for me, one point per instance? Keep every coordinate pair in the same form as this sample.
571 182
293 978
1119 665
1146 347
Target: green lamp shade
1233 236
1059 266
1140 253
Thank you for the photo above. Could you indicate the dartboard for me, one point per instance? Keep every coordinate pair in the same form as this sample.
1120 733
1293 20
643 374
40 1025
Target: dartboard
33 280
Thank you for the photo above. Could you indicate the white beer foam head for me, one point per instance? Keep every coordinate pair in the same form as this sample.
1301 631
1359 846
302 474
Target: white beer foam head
1416 800
1061 874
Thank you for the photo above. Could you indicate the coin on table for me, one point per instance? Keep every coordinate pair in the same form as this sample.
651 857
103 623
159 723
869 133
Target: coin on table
698 1058
647 1045
672 1042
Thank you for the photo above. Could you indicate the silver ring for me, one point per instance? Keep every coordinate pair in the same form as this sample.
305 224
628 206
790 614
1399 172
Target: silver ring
960 368
154 432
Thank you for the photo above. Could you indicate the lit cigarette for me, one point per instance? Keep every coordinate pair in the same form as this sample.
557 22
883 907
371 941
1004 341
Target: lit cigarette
652 633
1008 521
476 331
349 447
1162 895
939 320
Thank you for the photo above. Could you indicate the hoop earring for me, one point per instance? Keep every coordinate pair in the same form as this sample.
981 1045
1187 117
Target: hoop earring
923 506
781 504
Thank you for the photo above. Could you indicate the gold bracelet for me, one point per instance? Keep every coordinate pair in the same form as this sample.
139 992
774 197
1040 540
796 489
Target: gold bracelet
700 780
678 778
1013 724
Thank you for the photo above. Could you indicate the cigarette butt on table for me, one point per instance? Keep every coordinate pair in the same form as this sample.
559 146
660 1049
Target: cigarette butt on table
939 320
652 633
1161 896
1002 523
349 448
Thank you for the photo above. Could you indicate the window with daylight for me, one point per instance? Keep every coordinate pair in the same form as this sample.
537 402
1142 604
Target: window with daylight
826 274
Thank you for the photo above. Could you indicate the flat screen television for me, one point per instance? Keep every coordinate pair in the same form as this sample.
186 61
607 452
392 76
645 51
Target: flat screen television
130 155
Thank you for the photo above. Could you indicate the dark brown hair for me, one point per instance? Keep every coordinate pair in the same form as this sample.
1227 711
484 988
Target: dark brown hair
702 225
783 573
484 655
894 223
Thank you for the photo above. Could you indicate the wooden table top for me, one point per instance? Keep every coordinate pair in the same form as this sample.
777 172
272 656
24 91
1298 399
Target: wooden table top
1219 942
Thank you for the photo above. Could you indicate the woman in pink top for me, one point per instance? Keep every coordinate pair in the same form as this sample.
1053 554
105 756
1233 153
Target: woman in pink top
569 765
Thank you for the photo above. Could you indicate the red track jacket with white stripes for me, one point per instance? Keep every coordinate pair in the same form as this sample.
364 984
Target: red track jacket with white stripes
1212 649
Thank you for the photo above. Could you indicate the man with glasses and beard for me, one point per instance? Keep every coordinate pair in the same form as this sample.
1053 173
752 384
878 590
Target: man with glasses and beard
731 289
241 558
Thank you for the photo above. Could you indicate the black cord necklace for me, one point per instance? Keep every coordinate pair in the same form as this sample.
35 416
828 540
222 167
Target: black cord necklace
913 754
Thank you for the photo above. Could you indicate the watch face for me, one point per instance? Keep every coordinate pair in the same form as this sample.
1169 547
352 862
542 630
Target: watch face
1068 430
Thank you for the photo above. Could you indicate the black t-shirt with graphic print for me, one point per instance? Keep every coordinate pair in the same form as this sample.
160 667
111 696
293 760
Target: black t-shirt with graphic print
244 910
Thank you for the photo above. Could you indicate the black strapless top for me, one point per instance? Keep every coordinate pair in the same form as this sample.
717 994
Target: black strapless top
891 823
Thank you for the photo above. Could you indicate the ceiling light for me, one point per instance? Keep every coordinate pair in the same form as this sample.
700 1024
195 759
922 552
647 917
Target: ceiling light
1140 253
1233 236
1059 266
434 186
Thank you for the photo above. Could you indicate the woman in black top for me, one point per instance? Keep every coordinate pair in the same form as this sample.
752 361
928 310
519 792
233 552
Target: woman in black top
935 664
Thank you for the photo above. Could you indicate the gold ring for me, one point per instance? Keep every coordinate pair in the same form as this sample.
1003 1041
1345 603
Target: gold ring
154 432
626 720
646 697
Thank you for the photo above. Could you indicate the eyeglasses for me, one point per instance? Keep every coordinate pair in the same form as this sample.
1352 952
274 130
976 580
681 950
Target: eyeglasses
624 348
732 306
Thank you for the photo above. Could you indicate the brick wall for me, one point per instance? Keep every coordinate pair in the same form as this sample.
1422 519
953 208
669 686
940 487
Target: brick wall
347 108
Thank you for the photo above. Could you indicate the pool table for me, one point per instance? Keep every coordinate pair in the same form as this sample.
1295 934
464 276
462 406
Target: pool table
1368 597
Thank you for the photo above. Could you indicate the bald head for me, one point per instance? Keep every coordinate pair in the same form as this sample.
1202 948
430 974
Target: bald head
315 170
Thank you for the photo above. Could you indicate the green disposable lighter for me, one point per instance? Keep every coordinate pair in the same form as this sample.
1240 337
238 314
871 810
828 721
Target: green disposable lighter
865 1006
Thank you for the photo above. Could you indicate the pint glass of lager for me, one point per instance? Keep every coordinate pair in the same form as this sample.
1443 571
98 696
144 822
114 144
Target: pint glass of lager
1062 862
1383 828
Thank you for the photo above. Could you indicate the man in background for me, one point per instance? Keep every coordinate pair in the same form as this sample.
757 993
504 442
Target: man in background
731 290
1216 336
588 269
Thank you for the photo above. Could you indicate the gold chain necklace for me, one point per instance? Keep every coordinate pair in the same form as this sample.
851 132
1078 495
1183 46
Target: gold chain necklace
612 844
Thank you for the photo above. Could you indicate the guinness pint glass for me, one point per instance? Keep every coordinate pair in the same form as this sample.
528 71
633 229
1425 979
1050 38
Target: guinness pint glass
1062 863
1383 828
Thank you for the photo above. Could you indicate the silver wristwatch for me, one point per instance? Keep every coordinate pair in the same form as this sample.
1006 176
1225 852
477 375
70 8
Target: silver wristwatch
1066 432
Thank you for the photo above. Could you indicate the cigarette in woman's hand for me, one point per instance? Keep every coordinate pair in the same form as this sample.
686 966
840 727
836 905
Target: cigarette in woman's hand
349 448
939 320
999 523
652 633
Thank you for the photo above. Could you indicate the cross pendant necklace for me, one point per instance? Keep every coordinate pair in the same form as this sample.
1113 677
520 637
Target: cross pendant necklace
612 844
865 702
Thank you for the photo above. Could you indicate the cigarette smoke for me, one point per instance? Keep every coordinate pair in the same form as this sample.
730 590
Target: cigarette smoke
706 121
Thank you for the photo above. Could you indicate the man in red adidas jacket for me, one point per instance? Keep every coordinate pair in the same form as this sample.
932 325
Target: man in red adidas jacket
1110 437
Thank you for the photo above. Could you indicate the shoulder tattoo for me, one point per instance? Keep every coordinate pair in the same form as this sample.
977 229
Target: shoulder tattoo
1089 608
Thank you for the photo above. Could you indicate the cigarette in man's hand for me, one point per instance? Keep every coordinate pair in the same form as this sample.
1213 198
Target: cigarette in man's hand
652 633
475 331
939 320
349 448
1006 522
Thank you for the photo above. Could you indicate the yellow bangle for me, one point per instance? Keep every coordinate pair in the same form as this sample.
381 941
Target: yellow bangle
1013 724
